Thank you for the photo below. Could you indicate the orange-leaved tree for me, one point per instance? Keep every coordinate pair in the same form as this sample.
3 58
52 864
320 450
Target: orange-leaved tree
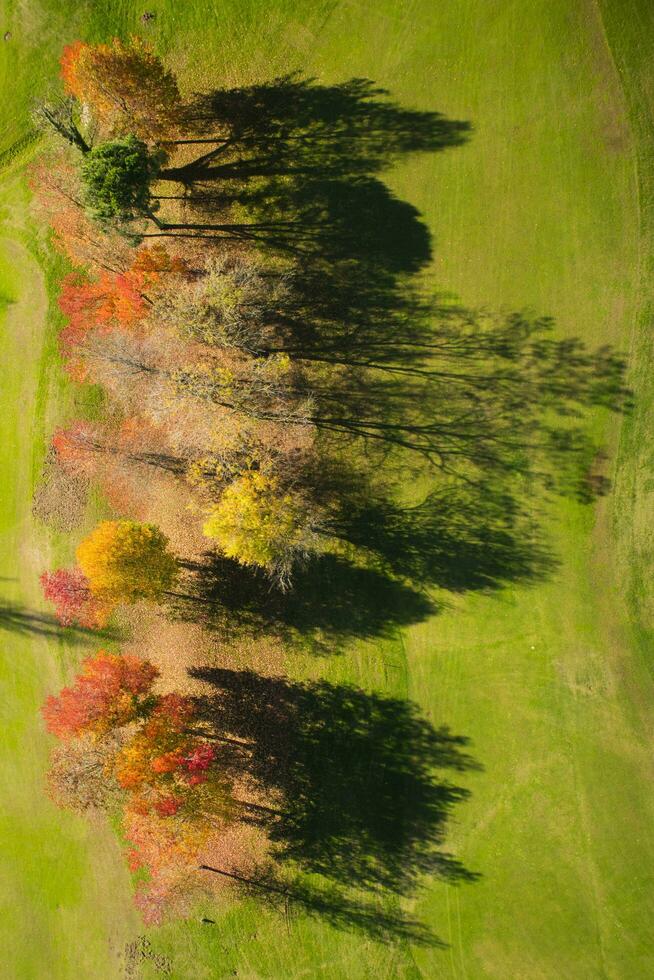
161 762
111 301
126 86
110 692
172 770
126 561
118 298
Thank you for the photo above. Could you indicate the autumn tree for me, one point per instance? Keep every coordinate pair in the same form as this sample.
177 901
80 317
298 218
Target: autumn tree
125 561
259 522
163 848
139 755
117 298
76 447
79 776
119 448
105 301
171 770
127 459
236 303
112 299
75 604
162 759
111 691
165 852
126 86
58 197
219 410
152 761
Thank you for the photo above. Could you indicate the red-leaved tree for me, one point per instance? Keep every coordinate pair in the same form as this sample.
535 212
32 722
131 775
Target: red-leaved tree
75 605
110 301
111 691
172 770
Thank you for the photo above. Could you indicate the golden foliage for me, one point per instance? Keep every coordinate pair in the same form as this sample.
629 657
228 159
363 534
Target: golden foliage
126 561
257 522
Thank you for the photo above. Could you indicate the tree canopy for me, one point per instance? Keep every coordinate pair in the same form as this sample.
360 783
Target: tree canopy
75 604
110 692
258 523
125 84
125 561
116 176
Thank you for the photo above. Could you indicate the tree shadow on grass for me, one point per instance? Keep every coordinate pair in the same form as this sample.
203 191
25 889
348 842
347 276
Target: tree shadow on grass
297 126
332 600
479 397
26 622
295 172
459 538
361 779
342 908
358 220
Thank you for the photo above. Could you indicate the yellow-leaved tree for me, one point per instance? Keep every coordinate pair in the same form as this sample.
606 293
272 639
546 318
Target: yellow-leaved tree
125 561
259 523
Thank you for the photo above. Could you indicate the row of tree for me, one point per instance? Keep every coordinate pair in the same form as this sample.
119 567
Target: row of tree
175 340
268 370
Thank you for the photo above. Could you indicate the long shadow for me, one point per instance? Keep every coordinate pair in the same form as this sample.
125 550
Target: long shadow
296 172
332 903
25 622
360 779
331 600
350 220
459 538
470 392
298 162
297 126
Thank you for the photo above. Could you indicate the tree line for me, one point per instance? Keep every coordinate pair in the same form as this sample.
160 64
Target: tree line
244 291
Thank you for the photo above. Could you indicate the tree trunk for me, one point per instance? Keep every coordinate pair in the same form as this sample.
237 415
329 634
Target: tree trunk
215 140
200 164
244 881
188 598
229 741
258 808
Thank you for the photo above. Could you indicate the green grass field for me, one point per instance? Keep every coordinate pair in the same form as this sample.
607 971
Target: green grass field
549 206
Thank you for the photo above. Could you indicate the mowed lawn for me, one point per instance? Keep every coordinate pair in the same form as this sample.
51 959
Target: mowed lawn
548 207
